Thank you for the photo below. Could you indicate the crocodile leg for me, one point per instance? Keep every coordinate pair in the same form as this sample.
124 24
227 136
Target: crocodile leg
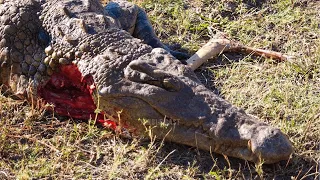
134 20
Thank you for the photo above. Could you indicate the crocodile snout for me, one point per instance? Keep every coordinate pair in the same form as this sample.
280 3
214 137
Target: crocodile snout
270 145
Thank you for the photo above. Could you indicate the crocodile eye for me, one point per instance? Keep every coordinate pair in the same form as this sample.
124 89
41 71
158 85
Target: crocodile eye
171 84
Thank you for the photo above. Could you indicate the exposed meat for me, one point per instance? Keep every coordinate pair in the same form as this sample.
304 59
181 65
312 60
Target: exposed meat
71 95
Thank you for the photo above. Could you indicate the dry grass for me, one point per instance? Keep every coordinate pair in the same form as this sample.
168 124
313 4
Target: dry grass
35 144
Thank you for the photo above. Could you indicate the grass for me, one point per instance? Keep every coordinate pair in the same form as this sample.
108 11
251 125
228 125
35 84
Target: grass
39 145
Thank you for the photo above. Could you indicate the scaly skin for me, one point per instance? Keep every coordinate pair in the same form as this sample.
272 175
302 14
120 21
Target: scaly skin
76 54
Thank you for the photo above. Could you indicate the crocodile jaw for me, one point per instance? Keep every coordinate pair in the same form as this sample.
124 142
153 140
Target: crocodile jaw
266 144
230 132
233 133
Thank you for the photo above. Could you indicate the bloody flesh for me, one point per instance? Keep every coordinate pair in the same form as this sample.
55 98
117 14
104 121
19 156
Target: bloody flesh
71 95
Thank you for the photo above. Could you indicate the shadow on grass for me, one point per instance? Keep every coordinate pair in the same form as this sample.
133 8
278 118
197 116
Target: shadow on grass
255 3
211 164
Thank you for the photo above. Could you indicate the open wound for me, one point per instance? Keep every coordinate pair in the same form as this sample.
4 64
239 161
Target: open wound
71 95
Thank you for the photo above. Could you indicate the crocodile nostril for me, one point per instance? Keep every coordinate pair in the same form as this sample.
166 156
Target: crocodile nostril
273 132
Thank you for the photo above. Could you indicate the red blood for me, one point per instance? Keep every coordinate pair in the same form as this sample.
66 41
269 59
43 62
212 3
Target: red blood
71 95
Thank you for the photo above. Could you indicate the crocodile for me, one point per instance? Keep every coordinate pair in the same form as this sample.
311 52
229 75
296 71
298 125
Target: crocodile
107 64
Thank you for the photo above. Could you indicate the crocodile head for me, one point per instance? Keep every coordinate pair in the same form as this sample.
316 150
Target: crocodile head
158 91
154 90
140 87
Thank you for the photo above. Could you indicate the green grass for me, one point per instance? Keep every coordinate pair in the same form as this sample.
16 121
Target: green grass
39 145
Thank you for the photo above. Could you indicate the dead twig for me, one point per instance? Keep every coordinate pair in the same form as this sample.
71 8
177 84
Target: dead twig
217 46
